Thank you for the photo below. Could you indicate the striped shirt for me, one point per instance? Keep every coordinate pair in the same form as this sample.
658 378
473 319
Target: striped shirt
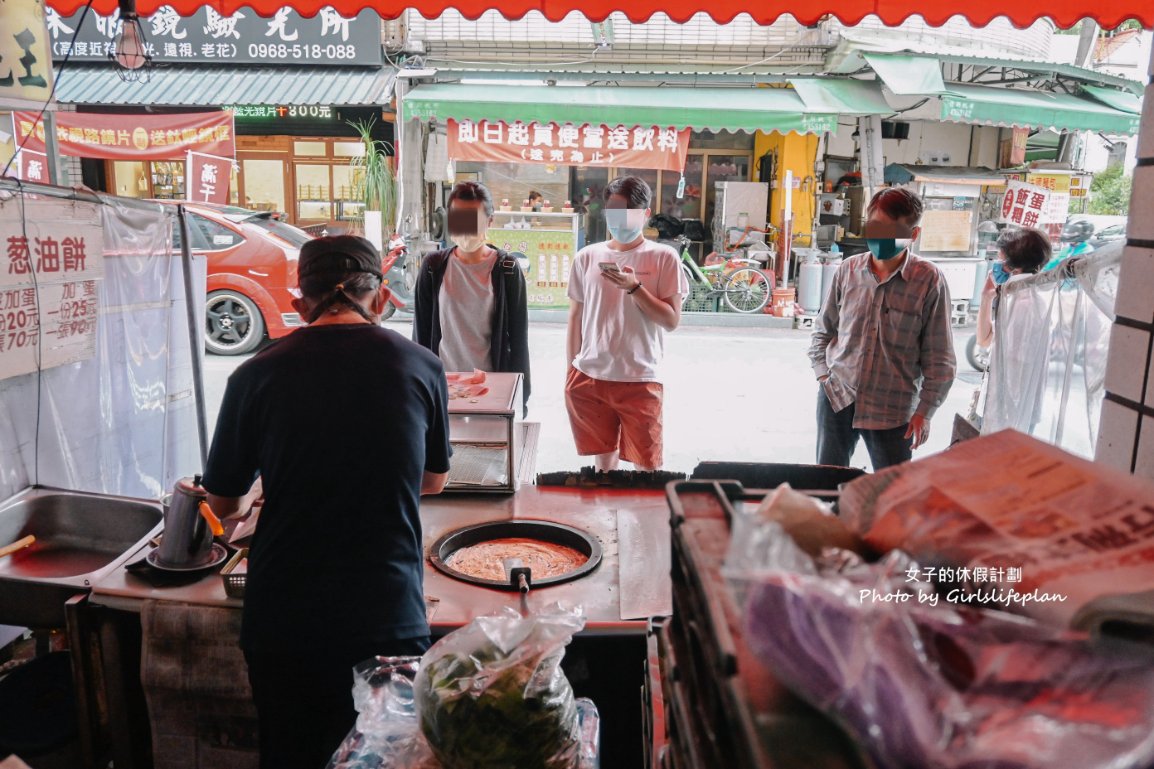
887 346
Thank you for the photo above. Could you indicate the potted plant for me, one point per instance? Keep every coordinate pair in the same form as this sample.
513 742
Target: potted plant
374 182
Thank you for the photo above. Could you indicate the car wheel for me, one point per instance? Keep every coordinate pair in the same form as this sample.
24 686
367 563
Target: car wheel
233 324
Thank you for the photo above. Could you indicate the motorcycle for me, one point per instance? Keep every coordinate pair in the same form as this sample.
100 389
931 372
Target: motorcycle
394 266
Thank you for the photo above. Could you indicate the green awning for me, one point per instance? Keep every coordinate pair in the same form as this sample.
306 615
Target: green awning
843 96
908 75
715 109
1033 109
1119 100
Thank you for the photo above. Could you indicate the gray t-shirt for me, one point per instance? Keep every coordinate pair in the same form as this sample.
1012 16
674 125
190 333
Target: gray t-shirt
466 310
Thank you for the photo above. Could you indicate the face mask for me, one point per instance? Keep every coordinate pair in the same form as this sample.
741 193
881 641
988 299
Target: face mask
624 225
469 243
887 248
998 270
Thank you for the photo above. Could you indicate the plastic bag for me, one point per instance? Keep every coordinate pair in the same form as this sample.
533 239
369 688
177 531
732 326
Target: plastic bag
493 695
921 683
387 735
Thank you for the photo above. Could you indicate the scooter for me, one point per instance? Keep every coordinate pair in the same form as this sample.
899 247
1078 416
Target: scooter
393 266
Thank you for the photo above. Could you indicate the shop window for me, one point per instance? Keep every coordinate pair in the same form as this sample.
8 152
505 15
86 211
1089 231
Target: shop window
725 168
168 180
128 179
344 194
215 236
313 192
264 187
348 149
311 149
721 140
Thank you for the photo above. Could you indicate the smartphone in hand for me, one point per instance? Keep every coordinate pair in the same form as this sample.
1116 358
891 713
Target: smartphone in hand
609 267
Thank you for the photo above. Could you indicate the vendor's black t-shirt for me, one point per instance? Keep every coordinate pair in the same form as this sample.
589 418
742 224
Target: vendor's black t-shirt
340 421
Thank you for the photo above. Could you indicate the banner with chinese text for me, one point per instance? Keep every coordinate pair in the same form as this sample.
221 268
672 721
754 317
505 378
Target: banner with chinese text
131 137
31 166
550 254
25 58
50 270
568 144
208 178
1024 204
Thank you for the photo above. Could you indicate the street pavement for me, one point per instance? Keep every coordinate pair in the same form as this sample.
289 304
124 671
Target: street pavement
731 394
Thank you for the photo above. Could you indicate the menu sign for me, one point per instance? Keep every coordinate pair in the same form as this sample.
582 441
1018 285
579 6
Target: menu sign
50 270
1024 204
208 37
130 137
568 144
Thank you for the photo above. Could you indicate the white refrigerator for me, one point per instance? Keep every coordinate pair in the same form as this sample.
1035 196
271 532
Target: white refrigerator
739 204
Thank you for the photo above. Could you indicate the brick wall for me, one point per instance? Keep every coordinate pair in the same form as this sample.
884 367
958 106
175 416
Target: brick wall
1126 435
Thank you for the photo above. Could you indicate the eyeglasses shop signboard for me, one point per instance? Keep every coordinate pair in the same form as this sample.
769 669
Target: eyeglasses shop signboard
25 68
207 37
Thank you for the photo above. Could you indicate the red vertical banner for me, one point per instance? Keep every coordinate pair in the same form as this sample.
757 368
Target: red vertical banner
207 178
31 166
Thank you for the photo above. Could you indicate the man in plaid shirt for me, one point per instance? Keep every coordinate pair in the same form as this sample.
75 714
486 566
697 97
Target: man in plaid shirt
882 348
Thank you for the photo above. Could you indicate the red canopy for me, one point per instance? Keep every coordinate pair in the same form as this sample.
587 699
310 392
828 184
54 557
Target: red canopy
1108 13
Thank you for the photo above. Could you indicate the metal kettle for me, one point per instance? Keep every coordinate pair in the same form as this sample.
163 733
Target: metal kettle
189 526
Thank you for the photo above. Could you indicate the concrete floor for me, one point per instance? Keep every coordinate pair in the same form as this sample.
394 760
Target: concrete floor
737 393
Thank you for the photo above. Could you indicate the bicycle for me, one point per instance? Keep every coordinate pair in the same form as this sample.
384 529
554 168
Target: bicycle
744 287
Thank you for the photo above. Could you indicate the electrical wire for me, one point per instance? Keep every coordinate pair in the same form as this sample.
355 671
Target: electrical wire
52 92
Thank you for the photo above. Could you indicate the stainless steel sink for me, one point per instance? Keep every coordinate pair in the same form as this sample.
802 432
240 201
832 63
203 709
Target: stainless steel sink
80 538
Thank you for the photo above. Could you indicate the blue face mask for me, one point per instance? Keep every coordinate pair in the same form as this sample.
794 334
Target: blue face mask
887 248
998 270
624 225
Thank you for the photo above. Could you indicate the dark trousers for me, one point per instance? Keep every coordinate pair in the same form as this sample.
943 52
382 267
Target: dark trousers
837 438
304 700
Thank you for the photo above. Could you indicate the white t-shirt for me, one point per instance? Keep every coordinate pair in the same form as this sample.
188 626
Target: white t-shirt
618 343
466 309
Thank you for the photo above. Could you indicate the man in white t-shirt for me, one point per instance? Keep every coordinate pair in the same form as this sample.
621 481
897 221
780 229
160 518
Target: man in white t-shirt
624 295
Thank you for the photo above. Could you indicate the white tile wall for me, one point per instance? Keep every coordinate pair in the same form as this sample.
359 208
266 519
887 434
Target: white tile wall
1116 435
1126 366
1135 292
1146 128
1144 465
1119 433
1141 222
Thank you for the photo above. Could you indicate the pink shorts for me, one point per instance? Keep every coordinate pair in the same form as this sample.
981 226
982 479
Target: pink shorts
611 416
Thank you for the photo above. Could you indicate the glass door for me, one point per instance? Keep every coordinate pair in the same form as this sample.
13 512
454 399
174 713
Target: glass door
264 187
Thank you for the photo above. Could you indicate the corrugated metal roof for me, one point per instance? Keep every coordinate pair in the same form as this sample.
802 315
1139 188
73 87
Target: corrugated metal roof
223 86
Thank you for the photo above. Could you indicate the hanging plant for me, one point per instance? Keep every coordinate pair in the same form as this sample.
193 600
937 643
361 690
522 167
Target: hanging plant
373 178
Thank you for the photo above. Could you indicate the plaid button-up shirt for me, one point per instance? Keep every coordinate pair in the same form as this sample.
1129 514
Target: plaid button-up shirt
887 346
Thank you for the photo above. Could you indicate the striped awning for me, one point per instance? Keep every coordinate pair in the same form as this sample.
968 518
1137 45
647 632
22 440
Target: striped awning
225 86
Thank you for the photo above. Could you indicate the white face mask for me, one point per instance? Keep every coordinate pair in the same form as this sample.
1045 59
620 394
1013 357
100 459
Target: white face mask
469 243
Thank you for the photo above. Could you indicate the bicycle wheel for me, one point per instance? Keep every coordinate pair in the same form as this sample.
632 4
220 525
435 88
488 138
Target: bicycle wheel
747 290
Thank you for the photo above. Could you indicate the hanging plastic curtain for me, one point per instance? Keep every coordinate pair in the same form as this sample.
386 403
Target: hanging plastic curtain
1048 361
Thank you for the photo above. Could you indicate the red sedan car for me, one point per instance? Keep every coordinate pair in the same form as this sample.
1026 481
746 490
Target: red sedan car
252 265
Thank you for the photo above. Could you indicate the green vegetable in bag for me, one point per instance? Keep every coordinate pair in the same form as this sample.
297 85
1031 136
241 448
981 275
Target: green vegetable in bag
492 695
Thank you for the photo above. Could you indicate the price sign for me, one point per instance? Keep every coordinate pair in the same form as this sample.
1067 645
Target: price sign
51 266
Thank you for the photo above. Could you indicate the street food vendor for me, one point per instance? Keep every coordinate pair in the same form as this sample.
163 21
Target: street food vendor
346 424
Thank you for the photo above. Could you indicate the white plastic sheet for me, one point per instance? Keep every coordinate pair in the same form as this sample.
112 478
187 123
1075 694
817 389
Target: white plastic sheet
1048 361
122 421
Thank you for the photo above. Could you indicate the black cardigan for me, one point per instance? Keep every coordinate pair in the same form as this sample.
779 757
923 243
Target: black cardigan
510 322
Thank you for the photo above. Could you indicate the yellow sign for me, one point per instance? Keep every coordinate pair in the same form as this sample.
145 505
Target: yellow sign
25 55
1053 182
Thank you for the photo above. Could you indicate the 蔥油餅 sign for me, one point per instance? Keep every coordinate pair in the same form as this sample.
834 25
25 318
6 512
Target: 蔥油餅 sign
131 137
552 144
51 268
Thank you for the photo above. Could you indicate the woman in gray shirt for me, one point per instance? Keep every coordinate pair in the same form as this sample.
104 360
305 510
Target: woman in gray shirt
471 281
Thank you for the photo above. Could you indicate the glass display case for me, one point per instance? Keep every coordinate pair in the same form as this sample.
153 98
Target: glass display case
486 432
